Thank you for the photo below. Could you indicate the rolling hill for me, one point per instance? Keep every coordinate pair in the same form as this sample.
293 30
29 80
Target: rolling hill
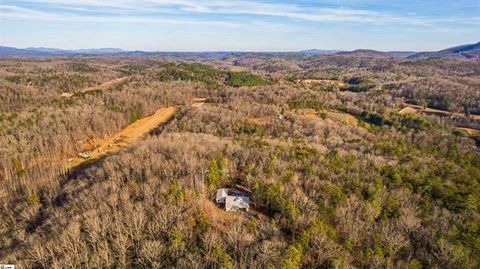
40 51
463 51
376 53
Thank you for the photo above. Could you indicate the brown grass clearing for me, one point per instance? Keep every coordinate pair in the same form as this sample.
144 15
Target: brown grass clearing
350 119
335 115
198 102
343 117
307 112
408 110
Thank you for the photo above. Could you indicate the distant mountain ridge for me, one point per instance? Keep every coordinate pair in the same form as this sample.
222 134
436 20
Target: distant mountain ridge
41 51
376 53
319 52
463 51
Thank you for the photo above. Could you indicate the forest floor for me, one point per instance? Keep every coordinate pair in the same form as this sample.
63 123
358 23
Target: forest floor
100 87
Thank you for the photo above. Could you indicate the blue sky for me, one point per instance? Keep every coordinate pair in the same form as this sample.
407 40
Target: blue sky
242 25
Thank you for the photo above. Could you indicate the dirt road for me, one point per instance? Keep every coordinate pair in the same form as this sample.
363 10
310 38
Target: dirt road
416 108
101 87
130 134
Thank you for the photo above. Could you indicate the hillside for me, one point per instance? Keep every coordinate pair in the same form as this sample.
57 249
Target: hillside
364 53
464 51
11 51
376 53
318 52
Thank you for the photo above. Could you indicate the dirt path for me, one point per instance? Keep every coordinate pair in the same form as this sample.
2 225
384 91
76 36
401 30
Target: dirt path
470 131
417 108
101 87
130 134
408 110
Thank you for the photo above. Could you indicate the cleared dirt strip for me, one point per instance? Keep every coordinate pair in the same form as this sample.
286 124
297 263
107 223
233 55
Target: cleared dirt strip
130 134
433 111
100 87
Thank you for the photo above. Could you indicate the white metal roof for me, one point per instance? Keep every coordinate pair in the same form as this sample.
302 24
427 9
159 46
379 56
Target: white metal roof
233 202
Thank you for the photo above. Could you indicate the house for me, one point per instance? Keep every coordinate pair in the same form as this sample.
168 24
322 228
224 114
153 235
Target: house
232 201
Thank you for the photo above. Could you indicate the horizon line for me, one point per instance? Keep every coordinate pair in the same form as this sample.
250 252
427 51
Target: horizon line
223 50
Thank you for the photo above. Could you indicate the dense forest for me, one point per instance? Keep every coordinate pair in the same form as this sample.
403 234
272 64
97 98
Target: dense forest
340 176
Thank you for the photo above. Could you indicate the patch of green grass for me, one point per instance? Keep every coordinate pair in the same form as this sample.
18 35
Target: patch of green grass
33 199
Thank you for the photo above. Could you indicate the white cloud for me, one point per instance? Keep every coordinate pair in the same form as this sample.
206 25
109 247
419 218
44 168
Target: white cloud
18 13
135 10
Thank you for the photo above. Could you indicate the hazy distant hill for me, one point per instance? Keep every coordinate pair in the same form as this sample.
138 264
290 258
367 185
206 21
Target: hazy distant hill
32 51
10 51
376 53
318 52
98 51
364 52
44 50
464 51
402 54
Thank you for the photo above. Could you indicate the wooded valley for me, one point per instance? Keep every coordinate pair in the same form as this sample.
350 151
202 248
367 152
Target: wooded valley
340 176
